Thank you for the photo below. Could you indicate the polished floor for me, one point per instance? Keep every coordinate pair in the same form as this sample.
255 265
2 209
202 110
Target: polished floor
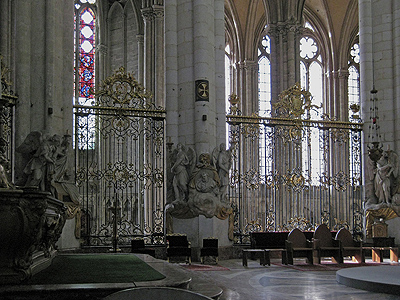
280 283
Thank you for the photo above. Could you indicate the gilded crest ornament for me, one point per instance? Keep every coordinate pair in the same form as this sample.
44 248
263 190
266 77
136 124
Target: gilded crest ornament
294 102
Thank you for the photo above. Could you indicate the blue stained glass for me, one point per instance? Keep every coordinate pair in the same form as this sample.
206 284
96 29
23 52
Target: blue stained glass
85 91
86 61
87 75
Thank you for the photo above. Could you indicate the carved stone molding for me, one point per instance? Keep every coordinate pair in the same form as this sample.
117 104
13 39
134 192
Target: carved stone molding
152 13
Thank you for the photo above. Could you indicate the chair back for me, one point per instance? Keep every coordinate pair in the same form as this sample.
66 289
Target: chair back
177 240
297 238
345 237
323 234
137 244
210 243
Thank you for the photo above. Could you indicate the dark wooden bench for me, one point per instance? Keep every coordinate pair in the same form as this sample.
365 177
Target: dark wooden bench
271 242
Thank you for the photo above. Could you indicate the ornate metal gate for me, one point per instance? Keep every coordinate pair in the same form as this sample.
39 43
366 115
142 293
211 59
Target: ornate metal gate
119 143
291 171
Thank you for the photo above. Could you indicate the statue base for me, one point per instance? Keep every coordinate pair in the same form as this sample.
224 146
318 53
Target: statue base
201 227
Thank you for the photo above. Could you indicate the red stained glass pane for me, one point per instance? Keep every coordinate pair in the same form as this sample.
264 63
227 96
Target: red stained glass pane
86 52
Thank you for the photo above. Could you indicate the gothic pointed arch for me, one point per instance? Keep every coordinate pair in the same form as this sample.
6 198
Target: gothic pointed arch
116 36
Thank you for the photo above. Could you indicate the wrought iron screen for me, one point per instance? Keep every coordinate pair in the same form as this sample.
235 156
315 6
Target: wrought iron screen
7 104
291 171
119 144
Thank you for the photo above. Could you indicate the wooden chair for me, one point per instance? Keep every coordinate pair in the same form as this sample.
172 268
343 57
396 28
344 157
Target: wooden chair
178 245
325 245
210 248
298 246
138 246
349 246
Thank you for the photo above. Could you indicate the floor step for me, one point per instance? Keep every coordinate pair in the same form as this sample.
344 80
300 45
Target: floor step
205 288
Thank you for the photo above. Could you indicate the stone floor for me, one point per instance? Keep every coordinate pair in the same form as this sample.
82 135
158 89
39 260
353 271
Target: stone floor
277 282
253 282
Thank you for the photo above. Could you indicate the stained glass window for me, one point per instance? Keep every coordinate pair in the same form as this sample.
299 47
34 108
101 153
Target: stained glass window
85 19
84 70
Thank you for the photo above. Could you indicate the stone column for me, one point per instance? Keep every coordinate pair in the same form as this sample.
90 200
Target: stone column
154 51
285 58
101 63
195 51
44 66
341 91
140 40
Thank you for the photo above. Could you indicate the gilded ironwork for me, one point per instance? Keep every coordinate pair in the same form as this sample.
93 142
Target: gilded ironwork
291 170
120 156
294 102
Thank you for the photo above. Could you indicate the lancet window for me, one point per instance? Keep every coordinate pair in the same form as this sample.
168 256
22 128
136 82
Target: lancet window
354 79
264 94
84 63
311 74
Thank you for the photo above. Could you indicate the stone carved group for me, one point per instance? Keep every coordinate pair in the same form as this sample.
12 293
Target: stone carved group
46 161
382 180
199 188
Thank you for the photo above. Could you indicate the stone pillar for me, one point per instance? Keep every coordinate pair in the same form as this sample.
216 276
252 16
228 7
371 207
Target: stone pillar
43 68
195 51
140 72
285 58
101 63
342 86
247 86
153 16
380 60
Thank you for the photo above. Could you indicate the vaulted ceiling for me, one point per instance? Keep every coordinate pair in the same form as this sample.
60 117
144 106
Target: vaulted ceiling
334 15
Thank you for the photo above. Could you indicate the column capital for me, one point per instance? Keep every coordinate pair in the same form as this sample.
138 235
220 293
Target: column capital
247 64
101 48
281 29
154 12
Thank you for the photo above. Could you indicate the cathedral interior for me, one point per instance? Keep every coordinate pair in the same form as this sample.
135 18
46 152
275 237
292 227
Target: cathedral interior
217 120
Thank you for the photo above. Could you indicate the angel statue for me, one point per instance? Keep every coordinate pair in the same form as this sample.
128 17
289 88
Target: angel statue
383 177
181 169
222 159
40 168
387 169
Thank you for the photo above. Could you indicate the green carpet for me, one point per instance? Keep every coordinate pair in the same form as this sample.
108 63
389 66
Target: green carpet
96 268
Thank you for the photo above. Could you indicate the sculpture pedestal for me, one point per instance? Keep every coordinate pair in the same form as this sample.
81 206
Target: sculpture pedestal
201 227
30 224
